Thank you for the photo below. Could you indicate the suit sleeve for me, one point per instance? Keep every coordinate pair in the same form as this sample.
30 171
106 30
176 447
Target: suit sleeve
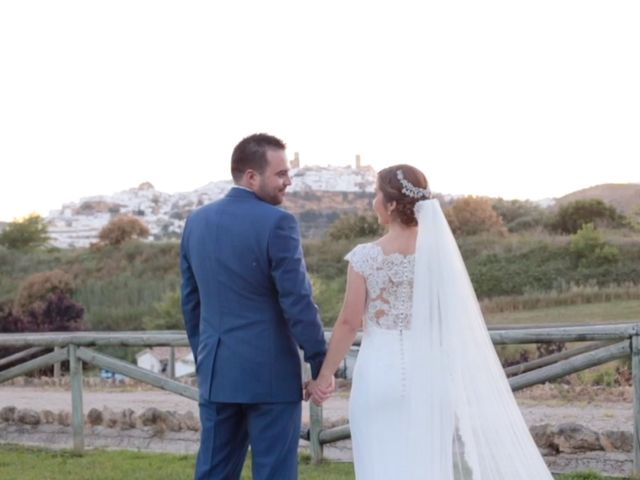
190 297
289 273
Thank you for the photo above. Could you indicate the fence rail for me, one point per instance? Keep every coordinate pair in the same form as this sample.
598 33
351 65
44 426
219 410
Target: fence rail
612 342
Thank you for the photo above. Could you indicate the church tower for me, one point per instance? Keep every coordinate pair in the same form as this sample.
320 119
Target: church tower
295 163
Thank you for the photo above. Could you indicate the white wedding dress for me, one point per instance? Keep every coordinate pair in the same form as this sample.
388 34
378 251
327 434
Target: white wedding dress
429 399
379 402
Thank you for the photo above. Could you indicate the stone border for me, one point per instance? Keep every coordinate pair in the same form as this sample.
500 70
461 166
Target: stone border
551 439
159 420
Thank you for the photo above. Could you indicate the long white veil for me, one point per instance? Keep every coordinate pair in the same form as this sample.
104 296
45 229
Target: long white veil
463 422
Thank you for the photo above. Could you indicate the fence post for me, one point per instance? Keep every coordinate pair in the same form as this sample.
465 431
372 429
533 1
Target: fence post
171 368
77 415
56 366
635 368
315 427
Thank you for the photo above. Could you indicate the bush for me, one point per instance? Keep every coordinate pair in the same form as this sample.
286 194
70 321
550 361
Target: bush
122 229
329 294
39 286
519 215
355 226
25 234
590 250
57 313
474 215
166 314
572 216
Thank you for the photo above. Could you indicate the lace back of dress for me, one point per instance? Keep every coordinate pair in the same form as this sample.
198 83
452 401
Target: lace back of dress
389 281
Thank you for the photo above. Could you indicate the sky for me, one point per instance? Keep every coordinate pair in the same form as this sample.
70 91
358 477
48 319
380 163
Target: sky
506 98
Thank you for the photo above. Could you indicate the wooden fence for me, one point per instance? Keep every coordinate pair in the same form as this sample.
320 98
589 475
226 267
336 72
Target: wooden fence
609 342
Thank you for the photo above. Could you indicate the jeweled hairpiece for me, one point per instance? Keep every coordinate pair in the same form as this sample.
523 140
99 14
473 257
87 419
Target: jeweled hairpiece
411 190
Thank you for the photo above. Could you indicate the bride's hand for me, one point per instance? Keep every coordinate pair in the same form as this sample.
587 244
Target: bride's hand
320 389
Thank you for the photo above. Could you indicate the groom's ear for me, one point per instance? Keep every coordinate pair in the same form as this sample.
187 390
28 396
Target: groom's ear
250 178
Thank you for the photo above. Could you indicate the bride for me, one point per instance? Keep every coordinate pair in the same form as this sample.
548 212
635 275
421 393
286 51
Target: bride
429 398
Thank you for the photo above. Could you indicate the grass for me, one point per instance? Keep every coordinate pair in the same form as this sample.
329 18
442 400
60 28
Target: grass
571 295
605 312
28 463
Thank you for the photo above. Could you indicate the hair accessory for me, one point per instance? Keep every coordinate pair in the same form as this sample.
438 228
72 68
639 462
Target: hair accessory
411 190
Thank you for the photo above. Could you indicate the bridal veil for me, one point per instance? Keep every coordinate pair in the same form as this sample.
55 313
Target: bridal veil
463 422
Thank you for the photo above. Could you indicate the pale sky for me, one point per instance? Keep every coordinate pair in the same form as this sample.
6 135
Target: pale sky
507 98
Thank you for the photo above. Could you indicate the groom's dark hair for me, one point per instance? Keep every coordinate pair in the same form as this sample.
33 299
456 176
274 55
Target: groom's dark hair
251 153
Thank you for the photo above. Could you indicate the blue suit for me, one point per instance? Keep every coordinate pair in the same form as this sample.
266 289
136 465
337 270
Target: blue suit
247 306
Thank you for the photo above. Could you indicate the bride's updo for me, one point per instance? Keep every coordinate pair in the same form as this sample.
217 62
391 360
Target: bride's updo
391 188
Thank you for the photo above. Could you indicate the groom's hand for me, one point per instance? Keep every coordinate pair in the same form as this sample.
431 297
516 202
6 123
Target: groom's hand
305 390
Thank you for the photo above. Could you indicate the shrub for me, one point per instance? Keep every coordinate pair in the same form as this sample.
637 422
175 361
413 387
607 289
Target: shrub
166 314
519 215
572 216
122 229
57 313
329 295
590 250
355 226
39 286
474 215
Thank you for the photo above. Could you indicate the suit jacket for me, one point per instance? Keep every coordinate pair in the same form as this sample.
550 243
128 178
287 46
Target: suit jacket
247 301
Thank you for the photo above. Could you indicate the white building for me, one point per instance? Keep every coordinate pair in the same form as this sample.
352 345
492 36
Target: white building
156 359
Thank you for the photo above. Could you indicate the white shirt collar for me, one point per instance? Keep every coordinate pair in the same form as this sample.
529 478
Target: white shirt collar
243 188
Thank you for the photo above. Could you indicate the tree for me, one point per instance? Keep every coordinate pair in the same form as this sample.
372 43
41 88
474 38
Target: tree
122 229
473 215
355 226
27 233
572 216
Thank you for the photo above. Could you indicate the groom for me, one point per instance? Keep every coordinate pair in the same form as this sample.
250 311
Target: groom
247 306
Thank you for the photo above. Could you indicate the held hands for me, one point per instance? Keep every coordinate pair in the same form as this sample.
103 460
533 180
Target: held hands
320 389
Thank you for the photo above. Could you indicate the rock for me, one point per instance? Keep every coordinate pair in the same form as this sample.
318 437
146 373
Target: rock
543 435
64 418
27 416
127 419
189 421
47 416
616 441
150 416
575 438
110 419
94 417
8 414
171 421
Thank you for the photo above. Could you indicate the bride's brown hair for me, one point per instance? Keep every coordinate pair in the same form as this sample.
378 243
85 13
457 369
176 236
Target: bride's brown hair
391 188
